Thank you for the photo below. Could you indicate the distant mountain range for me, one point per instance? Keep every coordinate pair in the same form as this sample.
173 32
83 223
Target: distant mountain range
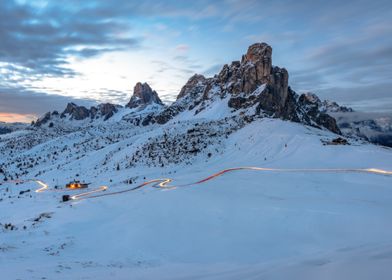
10 127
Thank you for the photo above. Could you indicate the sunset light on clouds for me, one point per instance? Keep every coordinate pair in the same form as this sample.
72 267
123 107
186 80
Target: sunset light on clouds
10 117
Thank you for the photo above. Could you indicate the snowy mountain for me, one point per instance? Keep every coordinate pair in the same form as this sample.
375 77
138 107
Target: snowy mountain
326 106
238 177
373 127
252 87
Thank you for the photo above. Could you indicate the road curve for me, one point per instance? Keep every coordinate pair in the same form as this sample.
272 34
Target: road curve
42 185
164 183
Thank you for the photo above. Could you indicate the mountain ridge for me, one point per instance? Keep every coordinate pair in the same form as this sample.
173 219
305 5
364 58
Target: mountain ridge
240 82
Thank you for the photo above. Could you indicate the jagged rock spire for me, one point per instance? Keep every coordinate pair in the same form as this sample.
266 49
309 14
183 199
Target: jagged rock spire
143 95
253 82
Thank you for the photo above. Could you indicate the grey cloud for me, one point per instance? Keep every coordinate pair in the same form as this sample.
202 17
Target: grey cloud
23 101
382 90
110 95
164 66
370 97
41 40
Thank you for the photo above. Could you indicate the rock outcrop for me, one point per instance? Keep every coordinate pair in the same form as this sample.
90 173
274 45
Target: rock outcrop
192 86
251 82
75 112
143 95
312 111
326 106
44 119
105 111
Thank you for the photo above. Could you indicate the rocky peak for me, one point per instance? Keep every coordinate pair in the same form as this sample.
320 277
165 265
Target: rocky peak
143 95
254 70
259 56
258 52
252 82
325 106
311 97
76 112
333 107
105 110
192 85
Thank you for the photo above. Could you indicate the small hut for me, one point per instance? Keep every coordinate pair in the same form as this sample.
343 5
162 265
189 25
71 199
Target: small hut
76 185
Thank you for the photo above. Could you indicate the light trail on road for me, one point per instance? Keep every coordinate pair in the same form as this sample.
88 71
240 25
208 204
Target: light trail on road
100 189
44 186
164 183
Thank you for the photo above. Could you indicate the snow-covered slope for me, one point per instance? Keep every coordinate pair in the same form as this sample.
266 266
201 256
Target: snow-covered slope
242 224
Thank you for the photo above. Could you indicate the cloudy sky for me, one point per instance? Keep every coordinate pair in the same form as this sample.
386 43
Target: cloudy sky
88 51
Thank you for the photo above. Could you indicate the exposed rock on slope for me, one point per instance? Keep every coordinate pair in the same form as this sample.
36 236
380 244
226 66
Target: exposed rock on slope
315 114
253 82
143 95
75 112
252 87
326 106
105 110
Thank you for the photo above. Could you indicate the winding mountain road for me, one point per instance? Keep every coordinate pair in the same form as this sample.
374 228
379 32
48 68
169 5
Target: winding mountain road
165 183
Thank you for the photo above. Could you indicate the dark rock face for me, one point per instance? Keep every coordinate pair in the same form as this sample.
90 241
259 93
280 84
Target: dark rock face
339 141
76 112
105 110
327 106
43 119
192 86
257 67
143 95
310 106
252 82
254 71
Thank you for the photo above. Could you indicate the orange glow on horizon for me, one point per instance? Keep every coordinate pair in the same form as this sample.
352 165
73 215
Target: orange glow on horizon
14 117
